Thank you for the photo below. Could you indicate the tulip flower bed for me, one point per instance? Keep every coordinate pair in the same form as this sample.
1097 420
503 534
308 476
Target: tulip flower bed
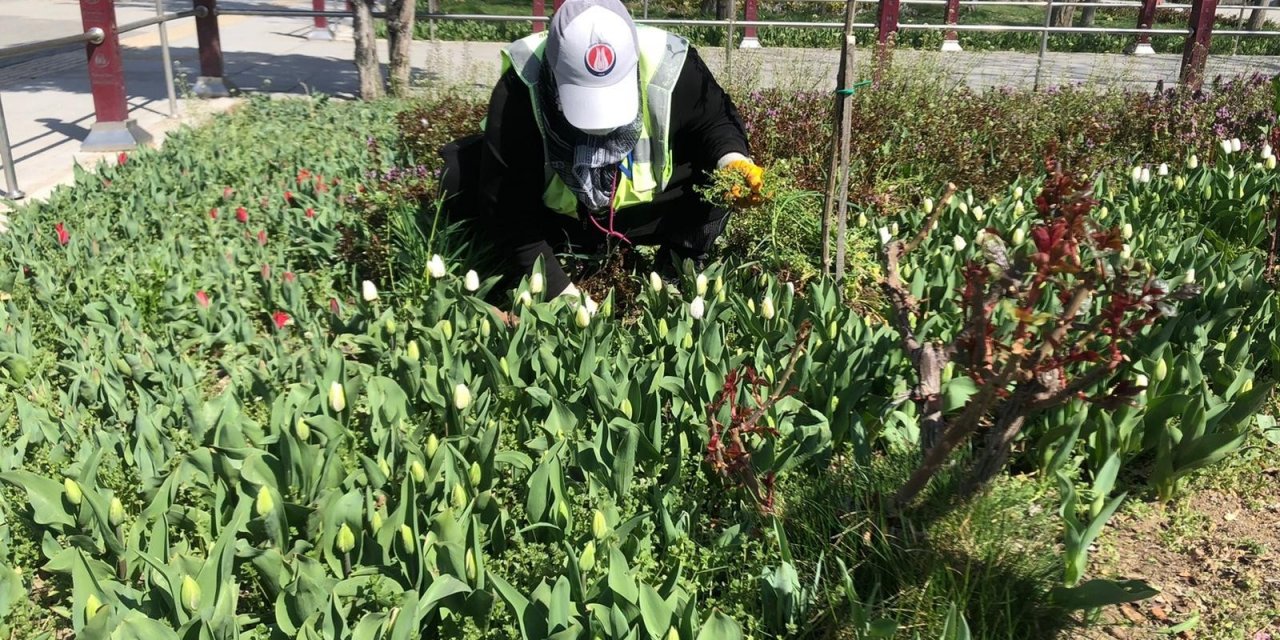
250 390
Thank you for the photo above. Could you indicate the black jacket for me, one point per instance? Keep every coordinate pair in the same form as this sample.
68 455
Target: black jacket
705 126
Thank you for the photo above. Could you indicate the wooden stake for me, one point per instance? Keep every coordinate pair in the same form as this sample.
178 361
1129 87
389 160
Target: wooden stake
844 81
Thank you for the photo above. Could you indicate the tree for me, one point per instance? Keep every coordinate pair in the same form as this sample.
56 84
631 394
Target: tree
719 7
1257 17
400 18
1087 16
1062 16
366 58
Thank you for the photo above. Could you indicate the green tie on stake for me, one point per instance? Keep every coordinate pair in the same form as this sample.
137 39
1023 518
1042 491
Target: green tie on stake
853 88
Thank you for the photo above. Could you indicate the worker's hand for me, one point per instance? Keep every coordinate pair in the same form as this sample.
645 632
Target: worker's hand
753 181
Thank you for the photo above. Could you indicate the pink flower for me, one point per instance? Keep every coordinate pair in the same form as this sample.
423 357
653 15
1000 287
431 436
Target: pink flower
122 158
266 271
242 215
203 299
333 306
288 197
227 192
262 238
213 213
63 236
289 277
280 319
311 213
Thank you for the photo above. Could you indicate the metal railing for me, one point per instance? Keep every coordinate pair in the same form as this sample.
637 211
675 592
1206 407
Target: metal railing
92 36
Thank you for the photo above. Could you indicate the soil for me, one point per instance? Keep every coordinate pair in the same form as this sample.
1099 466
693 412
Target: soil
1215 553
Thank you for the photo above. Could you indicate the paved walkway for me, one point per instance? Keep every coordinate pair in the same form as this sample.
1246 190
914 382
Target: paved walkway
49 109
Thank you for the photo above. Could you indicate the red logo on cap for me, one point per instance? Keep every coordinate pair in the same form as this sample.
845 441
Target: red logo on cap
601 59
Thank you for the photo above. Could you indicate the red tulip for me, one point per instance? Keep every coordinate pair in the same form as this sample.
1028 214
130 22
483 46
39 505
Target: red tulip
122 158
280 319
63 236
203 299
266 271
333 306
242 215
289 276
288 197
213 213
227 192
262 238
311 213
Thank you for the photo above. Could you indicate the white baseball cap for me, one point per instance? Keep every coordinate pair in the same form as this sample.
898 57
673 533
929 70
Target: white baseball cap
592 48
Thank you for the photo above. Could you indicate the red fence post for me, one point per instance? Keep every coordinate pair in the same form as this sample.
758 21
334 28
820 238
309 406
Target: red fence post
951 41
112 129
1146 18
210 83
1196 50
539 10
886 34
557 4
321 29
750 37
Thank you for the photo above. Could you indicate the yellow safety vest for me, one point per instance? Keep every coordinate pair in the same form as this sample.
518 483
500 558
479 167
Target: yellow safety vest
662 57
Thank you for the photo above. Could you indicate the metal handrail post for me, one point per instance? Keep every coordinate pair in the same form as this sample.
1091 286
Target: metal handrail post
168 61
12 191
1044 42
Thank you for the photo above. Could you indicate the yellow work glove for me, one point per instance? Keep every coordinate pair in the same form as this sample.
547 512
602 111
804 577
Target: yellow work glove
751 192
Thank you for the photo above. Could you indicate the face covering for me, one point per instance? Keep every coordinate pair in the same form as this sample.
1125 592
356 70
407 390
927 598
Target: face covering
587 162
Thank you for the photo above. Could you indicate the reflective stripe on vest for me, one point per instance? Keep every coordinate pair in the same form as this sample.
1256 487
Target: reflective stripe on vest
662 57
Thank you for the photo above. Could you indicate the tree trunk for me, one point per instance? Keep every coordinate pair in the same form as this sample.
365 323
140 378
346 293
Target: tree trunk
1062 16
1257 17
719 7
1087 16
400 14
367 66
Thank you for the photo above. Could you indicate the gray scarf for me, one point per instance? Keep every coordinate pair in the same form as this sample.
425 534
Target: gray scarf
586 163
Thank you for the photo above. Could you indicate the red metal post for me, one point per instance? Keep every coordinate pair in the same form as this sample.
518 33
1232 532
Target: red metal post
750 37
112 129
210 83
321 29
556 7
886 34
951 41
539 10
1196 50
1146 18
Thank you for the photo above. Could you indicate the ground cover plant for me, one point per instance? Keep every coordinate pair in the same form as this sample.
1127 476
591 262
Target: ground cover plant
254 388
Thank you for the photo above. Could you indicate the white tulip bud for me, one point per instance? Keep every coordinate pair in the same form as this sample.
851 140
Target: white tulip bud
978 213
461 397
1019 236
959 243
1018 208
525 299
697 308
1127 231
862 220
884 235
582 317
1146 175
700 284
1193 162
927 205
1017 193
471 281
1226 146
766 308
435 266
893 228
368 291
1235 145
655 281
337 397
1270 163
1136 174
536 283
1164 169
1191 276
1126 251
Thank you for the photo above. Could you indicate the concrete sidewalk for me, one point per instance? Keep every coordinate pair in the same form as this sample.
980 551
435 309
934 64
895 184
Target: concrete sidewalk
49 108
